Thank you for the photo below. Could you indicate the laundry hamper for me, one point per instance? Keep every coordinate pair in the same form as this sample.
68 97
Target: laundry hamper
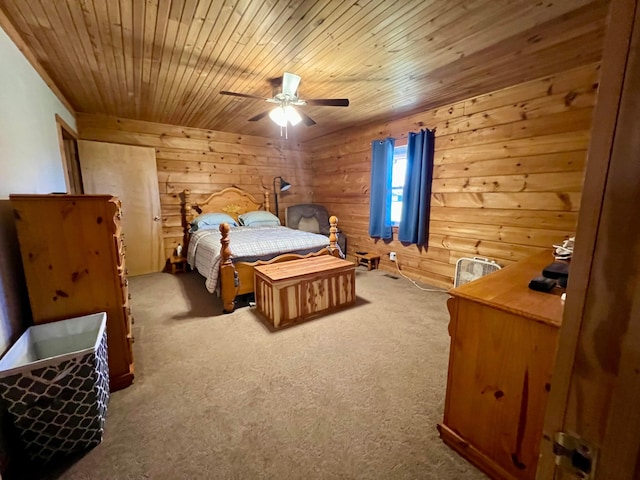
55 383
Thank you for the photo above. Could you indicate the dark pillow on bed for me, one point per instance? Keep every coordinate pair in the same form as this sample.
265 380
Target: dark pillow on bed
259 218
212 219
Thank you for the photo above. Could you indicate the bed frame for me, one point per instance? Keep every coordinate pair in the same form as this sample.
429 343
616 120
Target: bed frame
237 278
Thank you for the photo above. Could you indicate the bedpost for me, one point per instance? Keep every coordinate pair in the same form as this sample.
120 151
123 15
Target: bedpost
228 274
334 249
267 206
188 208
187 217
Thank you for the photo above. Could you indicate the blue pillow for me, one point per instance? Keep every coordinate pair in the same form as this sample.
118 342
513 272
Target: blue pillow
212 219
259 218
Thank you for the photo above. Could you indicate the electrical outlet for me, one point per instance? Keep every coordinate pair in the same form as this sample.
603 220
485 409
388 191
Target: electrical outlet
392 256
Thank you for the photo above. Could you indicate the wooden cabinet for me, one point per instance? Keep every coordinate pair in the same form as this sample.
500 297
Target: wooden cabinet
291 291
74 261
503 343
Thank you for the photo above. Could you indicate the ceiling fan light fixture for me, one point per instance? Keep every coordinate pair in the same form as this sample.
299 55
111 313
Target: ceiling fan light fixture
292 115
278 116
284 114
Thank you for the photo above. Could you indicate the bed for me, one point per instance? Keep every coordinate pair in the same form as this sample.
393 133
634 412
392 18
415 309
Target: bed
226 254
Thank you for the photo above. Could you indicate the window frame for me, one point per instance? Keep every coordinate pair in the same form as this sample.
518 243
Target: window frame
401 152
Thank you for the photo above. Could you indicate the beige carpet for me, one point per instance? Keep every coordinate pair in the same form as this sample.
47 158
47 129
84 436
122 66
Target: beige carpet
355 394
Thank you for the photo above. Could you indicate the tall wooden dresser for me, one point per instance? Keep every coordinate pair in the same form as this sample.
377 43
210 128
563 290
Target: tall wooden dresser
503 343
74 261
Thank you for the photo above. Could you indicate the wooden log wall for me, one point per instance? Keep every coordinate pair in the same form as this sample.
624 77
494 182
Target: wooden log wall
206 161
507 177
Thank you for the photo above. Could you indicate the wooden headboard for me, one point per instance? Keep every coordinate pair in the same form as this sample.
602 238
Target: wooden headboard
232 201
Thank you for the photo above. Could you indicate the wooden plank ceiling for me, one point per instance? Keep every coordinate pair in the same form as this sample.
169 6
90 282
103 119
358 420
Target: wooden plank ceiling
166 60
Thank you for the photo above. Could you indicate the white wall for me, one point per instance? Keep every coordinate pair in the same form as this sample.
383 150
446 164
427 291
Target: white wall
29 151
30 162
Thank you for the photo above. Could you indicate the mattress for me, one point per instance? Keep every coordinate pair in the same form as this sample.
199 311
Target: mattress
247 244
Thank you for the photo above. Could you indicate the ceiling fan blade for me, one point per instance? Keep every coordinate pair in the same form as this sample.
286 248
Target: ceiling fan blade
290 84
275 82
329 102
260 116
243 95
308 121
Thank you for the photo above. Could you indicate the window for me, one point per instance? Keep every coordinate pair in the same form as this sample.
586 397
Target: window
400 193
398 174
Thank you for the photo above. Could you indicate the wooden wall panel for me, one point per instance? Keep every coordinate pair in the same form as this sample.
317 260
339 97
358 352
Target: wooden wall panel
507 181
206 161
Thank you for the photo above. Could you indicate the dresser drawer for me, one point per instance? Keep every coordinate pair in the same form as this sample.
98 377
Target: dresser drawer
128 319
120 249
124 288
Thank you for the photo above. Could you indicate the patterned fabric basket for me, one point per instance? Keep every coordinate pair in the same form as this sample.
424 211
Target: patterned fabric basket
55 383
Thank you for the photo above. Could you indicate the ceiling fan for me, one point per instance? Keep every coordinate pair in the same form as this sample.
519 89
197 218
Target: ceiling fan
284 113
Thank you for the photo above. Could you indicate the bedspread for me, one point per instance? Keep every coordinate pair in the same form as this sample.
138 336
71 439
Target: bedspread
247 244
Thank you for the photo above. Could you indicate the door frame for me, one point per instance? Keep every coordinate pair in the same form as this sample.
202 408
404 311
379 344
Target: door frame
71 164
596 384
111 177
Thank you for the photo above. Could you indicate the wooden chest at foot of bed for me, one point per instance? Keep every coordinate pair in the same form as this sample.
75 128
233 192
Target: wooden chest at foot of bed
299 289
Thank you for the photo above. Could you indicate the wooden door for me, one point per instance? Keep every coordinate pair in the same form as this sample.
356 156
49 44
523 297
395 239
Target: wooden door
595 392
129 173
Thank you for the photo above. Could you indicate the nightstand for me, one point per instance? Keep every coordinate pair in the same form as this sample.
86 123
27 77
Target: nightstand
371 260
178 264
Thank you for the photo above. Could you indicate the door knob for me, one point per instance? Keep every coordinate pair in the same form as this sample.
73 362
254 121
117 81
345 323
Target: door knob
156 218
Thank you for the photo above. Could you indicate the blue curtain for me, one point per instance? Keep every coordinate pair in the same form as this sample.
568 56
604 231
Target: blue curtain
380 204
416 197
